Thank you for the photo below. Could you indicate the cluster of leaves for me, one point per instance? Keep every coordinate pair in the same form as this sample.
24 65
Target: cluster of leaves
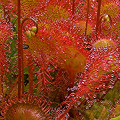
74 64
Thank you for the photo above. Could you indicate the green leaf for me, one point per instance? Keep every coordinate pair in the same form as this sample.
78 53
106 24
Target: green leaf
116 118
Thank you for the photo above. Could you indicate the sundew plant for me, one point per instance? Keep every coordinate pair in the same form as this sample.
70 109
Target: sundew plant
59 59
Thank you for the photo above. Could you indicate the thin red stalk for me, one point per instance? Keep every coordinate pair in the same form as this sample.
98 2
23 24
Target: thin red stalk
98 17
73 7
88 6
30 75
19 51
22 65
22 74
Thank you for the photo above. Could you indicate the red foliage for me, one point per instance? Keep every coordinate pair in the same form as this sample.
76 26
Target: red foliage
69 71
